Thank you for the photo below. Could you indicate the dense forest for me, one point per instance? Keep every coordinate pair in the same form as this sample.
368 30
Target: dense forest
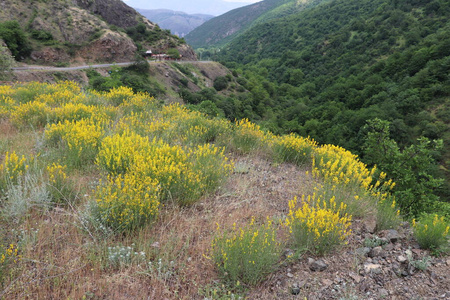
346 71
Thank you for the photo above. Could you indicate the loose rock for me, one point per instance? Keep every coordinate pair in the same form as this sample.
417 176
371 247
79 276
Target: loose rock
318 266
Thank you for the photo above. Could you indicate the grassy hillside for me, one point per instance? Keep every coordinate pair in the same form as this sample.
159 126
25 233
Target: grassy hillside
116 192
328 70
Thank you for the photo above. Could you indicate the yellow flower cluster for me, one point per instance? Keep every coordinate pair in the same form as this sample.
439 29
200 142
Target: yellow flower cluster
12 168
293 148
318 224
11 252
431 232
82 138
248 136
6 105
129 201
247 254
117 96
339 166
56 172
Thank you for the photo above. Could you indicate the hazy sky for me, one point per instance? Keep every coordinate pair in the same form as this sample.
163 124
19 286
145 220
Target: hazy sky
211 7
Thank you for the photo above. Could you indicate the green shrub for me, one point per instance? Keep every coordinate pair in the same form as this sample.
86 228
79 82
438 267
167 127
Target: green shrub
246 255
431 232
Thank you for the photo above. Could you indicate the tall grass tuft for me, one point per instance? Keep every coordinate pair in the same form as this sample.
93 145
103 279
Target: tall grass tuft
432 232
246 255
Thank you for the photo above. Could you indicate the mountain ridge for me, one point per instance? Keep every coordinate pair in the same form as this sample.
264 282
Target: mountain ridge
87 31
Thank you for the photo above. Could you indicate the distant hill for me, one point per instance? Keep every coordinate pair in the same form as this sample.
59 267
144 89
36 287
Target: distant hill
210 7
179 23
222 29
64 31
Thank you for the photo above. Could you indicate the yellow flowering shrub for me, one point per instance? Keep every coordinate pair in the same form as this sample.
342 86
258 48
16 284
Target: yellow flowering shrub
248 136
60 187
118 152
119 95
246 255
6 105
128 202
212 165
190 127
11 168
432 232
8 255
80 139
293 148
318 225
33 113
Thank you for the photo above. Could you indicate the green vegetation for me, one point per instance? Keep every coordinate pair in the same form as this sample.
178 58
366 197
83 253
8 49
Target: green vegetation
135 76
7 62
246 255
328 70
15 38
432 232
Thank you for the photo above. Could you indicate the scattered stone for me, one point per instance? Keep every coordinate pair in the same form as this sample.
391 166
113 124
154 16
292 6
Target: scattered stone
388 247
363 251
392 235
377 252
295 289
372 268
355 277
155 245
448 262
289 275
383 293
401 259
370 226
327 282
318 265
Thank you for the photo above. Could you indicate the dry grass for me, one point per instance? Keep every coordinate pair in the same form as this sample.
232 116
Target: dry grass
65 262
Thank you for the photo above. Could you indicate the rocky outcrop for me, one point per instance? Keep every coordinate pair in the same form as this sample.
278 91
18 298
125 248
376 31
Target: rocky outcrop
114 12
110 47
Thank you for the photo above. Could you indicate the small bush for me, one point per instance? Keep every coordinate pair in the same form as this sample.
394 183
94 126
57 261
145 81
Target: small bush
11 169
293 149
246 255
9 255
388 215
248 136
431 232
127 202
59 187
121 256
317 225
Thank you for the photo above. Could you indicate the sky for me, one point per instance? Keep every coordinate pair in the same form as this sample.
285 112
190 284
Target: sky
209 7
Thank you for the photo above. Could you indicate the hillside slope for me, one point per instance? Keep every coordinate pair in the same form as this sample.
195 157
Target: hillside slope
329 70
222 29
88 31
179 23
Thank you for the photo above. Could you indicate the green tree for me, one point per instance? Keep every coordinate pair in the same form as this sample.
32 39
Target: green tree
6 63
410 168
16 39
173 53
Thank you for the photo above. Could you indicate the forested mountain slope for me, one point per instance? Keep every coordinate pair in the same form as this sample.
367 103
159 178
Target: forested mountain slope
222 29
328 70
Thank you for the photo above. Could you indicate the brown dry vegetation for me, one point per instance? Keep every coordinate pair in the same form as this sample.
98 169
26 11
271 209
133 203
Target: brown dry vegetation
67 262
